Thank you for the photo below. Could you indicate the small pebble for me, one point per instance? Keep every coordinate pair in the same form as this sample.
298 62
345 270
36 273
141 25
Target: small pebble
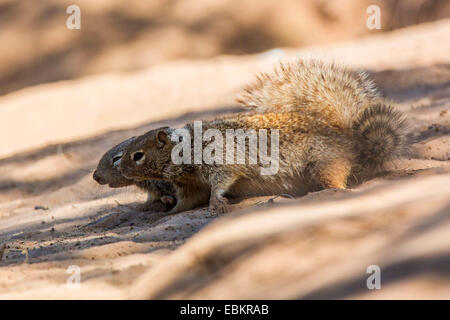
40 208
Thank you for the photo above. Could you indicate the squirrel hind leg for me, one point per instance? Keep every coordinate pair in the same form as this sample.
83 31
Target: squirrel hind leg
333 174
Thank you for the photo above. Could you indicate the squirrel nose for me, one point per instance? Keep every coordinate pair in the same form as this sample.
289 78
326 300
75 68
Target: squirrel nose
96 177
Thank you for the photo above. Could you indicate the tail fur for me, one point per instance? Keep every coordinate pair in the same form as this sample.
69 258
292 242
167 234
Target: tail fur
379 135
307 84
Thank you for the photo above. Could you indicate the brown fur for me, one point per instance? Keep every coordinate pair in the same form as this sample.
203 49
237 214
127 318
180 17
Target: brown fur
303 143
323 87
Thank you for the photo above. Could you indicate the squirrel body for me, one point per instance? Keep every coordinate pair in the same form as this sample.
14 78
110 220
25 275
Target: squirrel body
332 124
160 194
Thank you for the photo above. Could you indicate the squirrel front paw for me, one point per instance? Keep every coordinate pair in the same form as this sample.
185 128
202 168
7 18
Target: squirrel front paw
164 204
218 206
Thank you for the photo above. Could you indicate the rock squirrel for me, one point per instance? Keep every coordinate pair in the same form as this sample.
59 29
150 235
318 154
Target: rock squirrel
331 122
161 194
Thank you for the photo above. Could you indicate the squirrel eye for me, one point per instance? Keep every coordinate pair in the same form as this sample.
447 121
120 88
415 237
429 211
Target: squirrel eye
138 157
116 160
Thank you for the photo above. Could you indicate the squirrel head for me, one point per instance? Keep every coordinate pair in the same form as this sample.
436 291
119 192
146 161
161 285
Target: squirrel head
107 171
147 156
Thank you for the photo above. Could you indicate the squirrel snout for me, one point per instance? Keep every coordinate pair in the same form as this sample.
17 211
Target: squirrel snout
97 178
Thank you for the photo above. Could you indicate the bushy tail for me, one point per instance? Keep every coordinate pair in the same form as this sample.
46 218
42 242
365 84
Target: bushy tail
309 84
379 135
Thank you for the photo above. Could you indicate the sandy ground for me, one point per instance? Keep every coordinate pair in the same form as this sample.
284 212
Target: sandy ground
53 215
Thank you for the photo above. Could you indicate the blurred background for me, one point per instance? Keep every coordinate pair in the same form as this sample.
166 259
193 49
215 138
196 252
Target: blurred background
127 35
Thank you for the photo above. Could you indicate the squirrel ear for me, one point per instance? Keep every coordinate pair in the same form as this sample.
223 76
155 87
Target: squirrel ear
161 138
